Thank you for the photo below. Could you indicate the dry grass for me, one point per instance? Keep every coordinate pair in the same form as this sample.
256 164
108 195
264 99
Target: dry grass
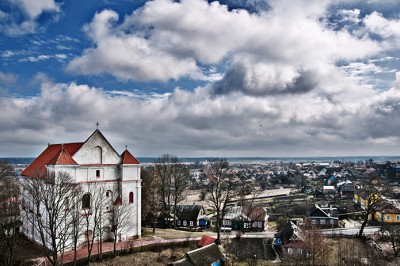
147 258
345 248
339 248
173 234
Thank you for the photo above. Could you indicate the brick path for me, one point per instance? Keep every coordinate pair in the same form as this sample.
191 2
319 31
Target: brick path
109 246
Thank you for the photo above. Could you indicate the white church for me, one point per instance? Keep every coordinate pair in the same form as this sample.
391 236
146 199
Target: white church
89 163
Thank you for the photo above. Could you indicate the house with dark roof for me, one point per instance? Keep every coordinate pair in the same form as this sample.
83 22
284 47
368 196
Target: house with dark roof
347 190
96 167
324 217
253 218
286 241
204 256
191 217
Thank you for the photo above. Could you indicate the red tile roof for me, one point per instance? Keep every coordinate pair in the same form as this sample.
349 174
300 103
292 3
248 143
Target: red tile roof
206 240
62 158
38 166
127 158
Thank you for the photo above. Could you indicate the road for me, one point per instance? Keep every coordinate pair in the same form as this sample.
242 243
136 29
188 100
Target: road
370 230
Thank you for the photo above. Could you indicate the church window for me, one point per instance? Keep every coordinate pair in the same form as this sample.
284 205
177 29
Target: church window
86 201
98 155
97 173
130 197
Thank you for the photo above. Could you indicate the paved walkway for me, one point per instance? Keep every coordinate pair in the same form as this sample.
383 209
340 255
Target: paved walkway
109 246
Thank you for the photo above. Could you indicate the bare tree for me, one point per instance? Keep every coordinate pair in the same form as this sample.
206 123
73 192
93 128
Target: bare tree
315 244
9 212
393 232
372 198
162 170
93 203
6 170
174 179
180 182
45 203
220 190
311 249
121 220
150 195
77 220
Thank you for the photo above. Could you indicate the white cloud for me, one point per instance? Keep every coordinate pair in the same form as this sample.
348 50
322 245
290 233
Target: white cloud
35 8
127 56
350 15
376 23
168 40
13 25
59 57
356 121
307 85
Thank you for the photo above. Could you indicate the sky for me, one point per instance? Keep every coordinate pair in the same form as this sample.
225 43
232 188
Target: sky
199 78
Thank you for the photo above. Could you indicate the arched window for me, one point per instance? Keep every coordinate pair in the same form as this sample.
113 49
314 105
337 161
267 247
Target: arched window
130 197
108 193
86 201
98 173
98 155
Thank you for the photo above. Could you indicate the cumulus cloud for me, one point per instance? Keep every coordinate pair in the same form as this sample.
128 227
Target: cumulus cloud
13 24
376 23
261 79
283 49
35 8
199 123
127 56
281 83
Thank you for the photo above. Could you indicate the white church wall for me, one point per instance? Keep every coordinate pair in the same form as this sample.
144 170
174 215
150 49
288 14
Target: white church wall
131 172
89 154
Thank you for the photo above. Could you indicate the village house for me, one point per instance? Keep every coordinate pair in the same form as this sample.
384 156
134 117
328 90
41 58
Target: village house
385 213
324 217
191 217
365 198
286 242
346 189
96 166
245 218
